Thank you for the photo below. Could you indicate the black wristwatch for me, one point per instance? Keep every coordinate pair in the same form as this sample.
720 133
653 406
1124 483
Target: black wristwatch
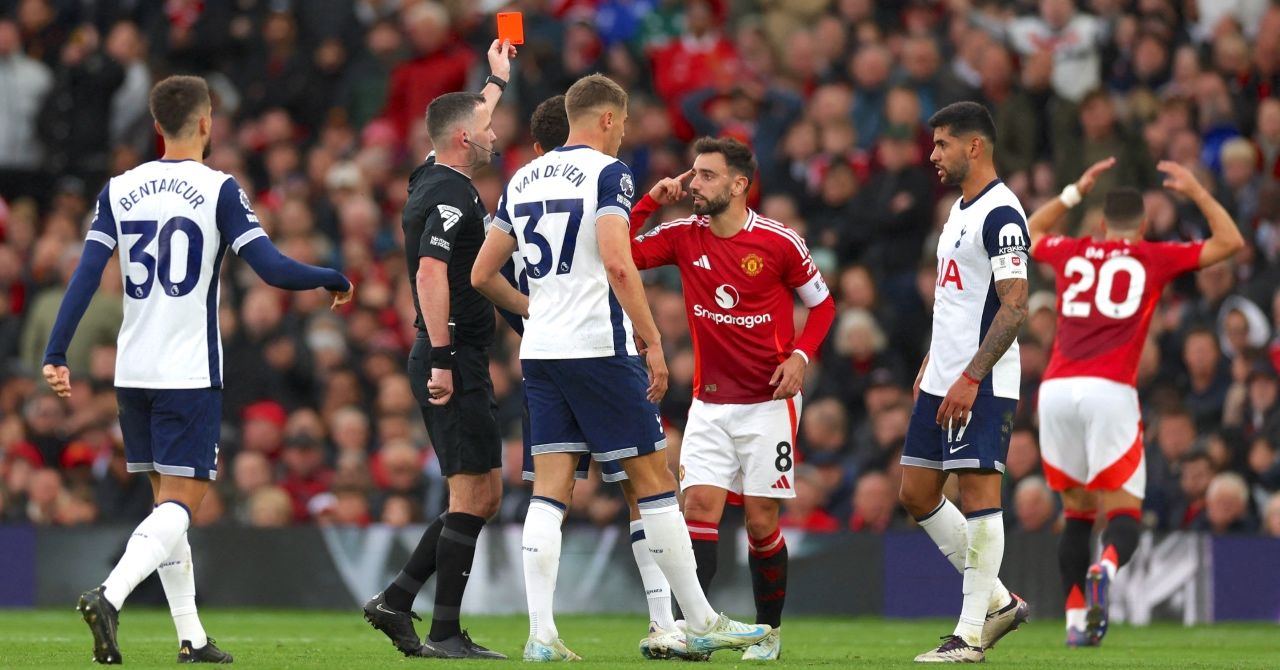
496 81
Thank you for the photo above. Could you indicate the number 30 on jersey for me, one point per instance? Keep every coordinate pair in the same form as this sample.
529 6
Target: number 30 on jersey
159 267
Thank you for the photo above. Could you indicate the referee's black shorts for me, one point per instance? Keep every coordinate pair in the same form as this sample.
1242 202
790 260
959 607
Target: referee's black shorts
464 432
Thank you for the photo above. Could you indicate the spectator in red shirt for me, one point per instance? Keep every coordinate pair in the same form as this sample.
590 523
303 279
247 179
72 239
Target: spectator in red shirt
874 503
440 67
805 511
306 474
702 56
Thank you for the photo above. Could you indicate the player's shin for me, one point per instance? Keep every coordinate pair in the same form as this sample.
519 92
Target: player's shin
404 588
541 554
151 543
981 568
177 575
767 559
948 529
1120 539
656 589
668 538
1073 563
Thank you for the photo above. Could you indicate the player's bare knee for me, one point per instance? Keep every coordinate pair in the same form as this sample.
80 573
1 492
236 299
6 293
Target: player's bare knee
1121 499
979 490
761 526
185 490
762 516
698 508
649 474
1079 500
917 503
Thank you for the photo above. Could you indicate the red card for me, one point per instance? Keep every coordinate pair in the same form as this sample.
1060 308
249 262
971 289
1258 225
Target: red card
511 27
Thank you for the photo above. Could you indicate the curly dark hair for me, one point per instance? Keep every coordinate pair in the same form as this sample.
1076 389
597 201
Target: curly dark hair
550 123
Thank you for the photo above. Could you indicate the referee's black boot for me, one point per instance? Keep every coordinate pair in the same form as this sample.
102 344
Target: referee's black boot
458 646
394 624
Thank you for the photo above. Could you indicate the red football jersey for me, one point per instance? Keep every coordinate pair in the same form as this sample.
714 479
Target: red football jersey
1107 292
738 298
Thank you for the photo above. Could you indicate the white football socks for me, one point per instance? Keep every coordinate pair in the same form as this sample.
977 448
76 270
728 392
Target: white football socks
656 588
1077 618
177 574
948 529
982 565
541 554
668 538
152 542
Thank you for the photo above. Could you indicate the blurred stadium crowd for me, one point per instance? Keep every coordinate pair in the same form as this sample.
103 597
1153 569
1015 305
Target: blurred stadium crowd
319 113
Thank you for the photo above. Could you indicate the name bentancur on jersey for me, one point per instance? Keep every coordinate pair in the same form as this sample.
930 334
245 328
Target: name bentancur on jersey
157 186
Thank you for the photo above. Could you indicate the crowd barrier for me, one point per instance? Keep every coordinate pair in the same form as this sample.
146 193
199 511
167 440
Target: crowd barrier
1187 577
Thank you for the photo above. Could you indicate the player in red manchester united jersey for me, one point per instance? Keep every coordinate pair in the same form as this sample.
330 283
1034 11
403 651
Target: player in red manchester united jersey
741 273
1090 423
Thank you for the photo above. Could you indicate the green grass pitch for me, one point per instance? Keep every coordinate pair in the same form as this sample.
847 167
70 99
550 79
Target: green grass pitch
326 639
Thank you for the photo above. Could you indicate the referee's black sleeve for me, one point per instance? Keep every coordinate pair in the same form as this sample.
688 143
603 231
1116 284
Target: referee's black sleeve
443 223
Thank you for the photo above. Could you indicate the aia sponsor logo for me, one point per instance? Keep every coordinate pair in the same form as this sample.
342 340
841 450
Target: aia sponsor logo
949 273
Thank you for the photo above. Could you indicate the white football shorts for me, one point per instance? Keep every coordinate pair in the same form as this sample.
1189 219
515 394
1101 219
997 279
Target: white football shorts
745 449
1091 435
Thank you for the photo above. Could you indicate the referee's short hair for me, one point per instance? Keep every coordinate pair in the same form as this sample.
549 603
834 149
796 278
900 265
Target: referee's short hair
965 118
550 123
447 111
592 92
177 101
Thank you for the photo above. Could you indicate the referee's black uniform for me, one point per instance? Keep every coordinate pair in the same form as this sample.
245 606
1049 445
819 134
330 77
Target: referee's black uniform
444 219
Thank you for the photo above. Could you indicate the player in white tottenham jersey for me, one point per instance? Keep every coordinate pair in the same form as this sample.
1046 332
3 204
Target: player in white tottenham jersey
173 219
967 389
567 212
549 126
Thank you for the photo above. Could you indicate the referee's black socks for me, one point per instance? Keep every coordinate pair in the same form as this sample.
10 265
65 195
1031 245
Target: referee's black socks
454 554
421 565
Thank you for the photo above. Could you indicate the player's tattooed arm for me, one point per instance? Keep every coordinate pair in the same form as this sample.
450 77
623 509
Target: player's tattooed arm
1004 327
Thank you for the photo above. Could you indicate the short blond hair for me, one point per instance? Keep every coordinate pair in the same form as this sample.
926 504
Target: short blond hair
1238 149
592 92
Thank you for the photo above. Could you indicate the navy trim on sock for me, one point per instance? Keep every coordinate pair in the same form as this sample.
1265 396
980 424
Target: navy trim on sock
979 513
637 536
658 497
179 504
551 501
941 503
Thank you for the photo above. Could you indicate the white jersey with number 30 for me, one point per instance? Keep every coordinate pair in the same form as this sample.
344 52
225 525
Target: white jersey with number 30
173 221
